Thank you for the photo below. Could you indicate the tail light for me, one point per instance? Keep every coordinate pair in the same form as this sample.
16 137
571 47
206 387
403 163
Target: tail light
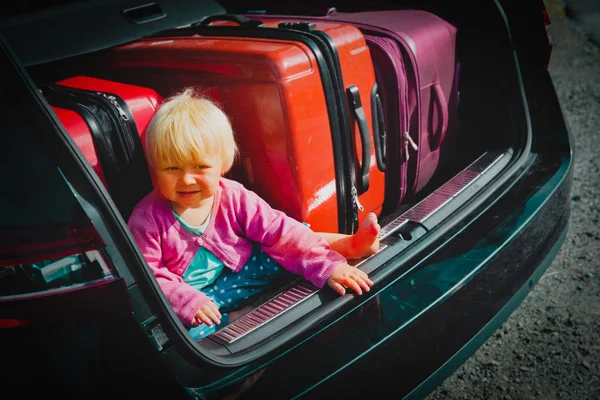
21 245
37 259
546 20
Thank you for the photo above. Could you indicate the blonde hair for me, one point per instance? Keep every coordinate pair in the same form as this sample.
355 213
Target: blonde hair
188 126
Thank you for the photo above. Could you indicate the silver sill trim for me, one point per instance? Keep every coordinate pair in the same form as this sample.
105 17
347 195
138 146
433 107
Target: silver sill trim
432 203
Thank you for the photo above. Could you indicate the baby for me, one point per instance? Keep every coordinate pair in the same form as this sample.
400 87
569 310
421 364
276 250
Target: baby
211 243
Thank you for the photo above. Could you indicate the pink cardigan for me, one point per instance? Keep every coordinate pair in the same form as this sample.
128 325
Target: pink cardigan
239 217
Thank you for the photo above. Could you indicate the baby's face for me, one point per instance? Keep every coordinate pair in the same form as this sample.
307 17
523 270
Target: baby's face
191 184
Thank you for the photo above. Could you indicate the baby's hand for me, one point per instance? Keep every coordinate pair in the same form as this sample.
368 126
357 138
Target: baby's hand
208 314
350 277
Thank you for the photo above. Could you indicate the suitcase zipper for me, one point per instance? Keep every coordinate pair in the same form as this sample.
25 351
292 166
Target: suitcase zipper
408 140
113 100
124 122
355 200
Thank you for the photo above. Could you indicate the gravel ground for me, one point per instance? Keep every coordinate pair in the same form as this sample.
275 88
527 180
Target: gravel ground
550 347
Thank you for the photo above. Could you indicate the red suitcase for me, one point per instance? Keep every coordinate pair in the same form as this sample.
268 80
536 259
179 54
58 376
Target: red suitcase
107 121
274 89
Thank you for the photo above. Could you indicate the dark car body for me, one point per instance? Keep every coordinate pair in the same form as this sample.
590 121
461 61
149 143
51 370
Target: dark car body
441 286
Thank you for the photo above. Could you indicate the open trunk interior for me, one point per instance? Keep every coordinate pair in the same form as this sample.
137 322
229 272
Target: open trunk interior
493 133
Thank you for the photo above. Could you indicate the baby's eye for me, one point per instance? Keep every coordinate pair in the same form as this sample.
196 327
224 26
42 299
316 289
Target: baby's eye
201 166
172 168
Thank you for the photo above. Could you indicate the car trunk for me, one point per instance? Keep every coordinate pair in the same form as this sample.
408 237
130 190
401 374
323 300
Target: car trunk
493 135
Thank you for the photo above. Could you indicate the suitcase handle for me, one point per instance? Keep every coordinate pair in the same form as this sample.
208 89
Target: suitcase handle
379 132
442 107
365 138
239 19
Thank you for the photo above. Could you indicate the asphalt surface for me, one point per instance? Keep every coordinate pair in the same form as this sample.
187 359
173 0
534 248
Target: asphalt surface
550 347
586 13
